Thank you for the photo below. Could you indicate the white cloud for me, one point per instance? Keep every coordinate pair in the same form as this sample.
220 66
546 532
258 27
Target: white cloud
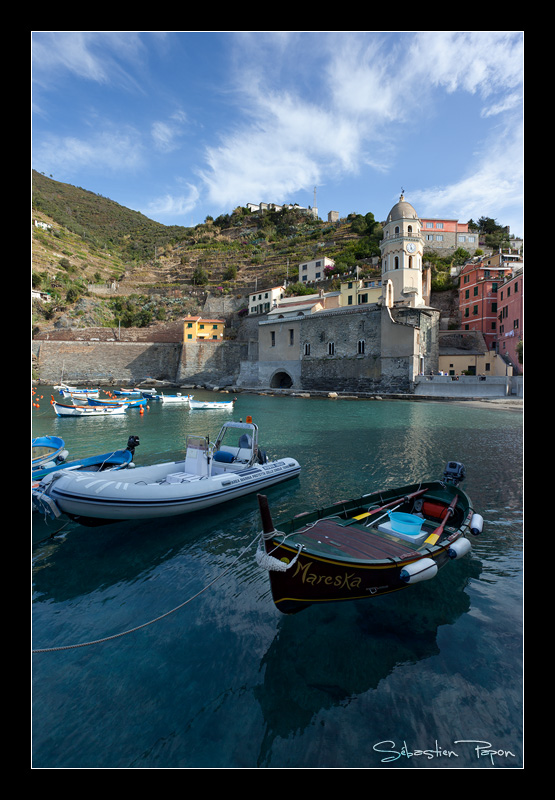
495 182
372 92
98 56
66 155
171 205
166 134
481 62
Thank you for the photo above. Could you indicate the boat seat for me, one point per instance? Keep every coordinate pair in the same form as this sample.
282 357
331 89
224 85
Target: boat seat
224 456
227 455
180 477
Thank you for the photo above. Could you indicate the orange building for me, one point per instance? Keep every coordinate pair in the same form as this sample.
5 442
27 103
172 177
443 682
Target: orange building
195 328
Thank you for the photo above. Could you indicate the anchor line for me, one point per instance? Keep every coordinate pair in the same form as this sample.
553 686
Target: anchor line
152 621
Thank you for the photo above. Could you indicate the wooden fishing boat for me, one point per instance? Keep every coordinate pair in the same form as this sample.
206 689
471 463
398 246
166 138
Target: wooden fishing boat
130 402
75 392
379 543
217 405
66 410
211 473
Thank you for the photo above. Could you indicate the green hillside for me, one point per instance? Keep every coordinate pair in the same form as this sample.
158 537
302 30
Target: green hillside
94 242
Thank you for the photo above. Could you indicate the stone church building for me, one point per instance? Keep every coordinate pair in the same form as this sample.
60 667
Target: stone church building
380 347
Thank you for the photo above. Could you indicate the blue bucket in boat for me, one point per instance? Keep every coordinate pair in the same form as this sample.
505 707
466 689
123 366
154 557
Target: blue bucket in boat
405 523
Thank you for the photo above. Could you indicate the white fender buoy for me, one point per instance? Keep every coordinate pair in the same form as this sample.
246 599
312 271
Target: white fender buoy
459 548
421 570
476 524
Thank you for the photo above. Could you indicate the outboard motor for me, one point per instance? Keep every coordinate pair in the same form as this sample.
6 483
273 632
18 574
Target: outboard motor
132 443
262 456
454 472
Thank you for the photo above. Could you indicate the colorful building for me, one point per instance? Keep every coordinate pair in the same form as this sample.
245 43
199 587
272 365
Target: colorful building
448 234
480 282
359 291
510 308
195 328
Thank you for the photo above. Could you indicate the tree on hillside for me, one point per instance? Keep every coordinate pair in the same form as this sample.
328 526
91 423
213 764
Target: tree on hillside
200 278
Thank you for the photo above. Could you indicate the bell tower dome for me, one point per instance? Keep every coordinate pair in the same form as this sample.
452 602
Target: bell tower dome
401 251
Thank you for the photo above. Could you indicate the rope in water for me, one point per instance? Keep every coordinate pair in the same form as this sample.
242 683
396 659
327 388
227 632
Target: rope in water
152 621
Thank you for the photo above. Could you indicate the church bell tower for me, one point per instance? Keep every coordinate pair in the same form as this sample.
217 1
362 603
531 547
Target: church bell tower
401 252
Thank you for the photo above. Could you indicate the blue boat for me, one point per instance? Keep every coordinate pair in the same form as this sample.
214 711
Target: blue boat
49 450
150 394
117 459
128 392
130 403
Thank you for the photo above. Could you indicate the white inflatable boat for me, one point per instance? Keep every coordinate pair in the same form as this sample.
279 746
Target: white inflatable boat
229 468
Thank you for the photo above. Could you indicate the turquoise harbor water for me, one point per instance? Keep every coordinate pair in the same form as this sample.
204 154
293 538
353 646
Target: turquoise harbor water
429 678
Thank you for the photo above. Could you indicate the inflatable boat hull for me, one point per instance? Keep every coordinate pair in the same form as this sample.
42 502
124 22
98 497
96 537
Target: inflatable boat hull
153 492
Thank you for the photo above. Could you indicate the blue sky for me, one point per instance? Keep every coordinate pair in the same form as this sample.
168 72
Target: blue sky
180 125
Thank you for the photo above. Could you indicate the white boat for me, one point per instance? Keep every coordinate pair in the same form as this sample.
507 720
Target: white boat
65 410
175 398
210 474
79 395
215 404
74 392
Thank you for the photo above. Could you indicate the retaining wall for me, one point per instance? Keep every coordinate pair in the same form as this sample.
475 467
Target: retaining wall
105 363
467 386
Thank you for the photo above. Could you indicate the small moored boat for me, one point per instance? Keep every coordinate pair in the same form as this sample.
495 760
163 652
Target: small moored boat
175 398
150 394
131 402
47 451
74 391
114 460
379 543
211 473
217 405
127 392
66 410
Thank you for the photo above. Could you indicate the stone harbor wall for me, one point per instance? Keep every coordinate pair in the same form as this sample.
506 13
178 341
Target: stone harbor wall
210 363
105 363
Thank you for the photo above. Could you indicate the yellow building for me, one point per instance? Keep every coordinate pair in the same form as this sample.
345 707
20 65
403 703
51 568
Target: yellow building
195 328
356 292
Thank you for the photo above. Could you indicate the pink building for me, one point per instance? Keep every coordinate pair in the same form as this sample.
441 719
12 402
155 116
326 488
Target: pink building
479 296
510 307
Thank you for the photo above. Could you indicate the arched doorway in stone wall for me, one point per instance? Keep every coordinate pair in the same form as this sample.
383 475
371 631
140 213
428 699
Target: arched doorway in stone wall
281 380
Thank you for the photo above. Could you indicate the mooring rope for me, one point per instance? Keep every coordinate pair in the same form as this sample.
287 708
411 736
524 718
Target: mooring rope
152 621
